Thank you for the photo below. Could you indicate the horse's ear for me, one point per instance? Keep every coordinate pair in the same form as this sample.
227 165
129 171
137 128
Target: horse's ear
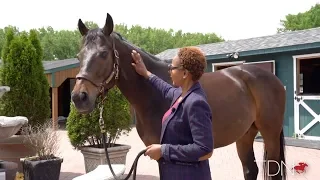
82 28
108 27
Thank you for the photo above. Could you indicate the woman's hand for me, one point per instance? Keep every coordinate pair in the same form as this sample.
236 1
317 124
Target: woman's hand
139 65
154 151
205 157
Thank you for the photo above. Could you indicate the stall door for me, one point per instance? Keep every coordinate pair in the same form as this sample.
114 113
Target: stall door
307 96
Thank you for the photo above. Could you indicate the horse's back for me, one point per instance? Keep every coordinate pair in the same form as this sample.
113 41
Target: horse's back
244 80
236 96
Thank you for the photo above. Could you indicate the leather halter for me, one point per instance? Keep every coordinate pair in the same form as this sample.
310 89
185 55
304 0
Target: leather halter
114 74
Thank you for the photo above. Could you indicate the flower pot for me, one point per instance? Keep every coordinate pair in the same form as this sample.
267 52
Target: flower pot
93 156
34 169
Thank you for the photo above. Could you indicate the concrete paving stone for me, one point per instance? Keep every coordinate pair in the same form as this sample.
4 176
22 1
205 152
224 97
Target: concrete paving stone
225 164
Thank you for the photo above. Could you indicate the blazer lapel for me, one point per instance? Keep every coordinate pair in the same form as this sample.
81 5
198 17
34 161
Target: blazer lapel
165 123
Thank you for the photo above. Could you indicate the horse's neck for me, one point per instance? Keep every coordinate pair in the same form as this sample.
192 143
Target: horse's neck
148 104
137 90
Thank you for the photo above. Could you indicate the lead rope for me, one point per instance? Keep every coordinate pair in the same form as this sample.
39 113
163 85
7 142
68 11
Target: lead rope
103 131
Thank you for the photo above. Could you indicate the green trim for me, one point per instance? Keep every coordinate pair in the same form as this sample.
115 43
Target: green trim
53 79
268 51
70 66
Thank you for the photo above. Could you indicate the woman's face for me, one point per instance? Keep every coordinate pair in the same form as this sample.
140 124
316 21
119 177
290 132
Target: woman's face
176 72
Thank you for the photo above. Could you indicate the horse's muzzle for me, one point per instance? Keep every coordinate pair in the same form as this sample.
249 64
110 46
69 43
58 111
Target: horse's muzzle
81 100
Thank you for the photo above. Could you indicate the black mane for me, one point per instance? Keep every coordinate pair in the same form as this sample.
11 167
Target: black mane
122 39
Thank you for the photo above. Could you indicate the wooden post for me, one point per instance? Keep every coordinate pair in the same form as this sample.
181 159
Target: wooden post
55 107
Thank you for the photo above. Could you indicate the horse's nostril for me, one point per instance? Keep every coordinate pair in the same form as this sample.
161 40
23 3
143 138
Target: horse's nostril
83 96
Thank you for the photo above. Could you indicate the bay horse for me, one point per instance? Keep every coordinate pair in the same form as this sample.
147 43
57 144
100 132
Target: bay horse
244 99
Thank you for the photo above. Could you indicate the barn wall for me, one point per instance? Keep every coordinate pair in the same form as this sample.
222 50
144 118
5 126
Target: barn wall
61 76
284 71
48 76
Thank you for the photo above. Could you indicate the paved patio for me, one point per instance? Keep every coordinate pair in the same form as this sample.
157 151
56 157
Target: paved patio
225 164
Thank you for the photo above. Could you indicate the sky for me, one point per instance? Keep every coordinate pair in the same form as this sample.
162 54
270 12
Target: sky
230 19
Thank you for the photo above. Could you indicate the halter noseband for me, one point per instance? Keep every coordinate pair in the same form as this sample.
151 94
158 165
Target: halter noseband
114 74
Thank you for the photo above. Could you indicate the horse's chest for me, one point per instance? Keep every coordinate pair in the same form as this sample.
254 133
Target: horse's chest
149 134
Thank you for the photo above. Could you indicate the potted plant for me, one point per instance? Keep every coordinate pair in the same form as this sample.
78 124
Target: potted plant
84 131
45 165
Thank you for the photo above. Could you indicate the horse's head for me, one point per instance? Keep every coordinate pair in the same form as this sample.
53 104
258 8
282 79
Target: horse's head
98 65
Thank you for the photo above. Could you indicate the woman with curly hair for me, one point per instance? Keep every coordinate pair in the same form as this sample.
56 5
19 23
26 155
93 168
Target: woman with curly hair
186 140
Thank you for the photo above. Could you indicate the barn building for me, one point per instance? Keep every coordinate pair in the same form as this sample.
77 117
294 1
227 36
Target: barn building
294 57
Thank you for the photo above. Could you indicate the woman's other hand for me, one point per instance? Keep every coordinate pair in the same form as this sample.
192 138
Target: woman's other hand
139 65
154 151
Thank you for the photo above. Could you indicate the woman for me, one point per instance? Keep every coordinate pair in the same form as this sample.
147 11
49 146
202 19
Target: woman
186 140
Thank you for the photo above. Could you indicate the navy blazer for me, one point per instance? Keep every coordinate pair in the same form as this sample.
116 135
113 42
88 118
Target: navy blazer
186 134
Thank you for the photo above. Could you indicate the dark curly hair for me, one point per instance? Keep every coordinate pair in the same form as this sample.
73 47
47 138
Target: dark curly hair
193 60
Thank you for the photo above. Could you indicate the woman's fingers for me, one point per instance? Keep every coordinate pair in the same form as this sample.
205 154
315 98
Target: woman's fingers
147 152
136 56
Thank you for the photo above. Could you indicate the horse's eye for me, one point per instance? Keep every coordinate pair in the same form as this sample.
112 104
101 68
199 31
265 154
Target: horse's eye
104 54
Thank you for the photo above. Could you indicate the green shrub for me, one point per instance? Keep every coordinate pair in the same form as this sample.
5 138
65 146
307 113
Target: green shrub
84 129
23 72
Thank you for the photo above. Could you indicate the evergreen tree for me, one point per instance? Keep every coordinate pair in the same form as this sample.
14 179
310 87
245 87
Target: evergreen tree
23 72
42 95
9 35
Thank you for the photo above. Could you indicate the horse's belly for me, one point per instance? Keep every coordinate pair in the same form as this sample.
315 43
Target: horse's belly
231 120
233 111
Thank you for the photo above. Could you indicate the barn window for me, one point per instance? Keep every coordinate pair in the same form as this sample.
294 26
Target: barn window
308 71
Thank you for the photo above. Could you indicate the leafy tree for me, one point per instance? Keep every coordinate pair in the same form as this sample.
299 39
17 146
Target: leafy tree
300 21
155 40
47 38
61 44
64 44
23 72
90 25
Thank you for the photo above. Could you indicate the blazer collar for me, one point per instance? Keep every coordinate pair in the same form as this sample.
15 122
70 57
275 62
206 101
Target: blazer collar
194 87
